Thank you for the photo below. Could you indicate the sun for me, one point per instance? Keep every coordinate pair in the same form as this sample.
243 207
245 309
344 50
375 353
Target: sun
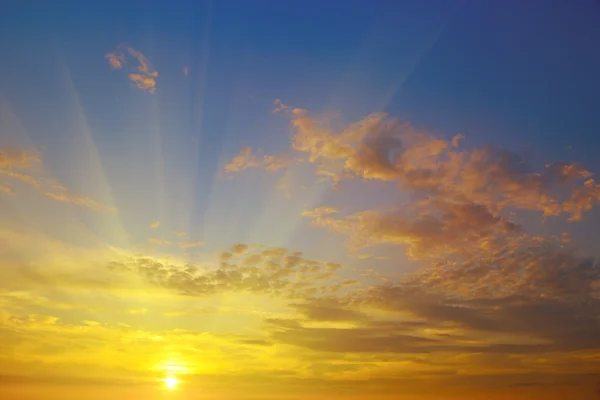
171 382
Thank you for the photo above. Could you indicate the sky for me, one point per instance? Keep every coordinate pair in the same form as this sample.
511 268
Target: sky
303 200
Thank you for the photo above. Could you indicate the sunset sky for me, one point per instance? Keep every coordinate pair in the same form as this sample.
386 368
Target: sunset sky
251 200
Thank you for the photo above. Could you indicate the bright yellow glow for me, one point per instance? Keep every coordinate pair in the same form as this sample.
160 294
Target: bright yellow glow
171 382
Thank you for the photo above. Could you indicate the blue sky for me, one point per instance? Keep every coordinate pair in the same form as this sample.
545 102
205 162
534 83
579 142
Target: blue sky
507 74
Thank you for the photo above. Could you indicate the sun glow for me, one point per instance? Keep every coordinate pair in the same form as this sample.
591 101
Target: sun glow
171 382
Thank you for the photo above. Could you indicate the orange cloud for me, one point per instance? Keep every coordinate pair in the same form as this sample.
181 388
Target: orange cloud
246 159
115 60
145 77
144 82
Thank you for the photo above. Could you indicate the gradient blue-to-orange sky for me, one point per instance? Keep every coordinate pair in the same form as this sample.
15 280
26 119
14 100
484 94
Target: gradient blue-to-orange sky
299 200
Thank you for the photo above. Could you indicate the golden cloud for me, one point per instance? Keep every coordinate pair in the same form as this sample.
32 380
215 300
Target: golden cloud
422 328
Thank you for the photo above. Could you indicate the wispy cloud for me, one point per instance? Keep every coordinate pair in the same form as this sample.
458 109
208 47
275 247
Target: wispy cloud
145 75
26 167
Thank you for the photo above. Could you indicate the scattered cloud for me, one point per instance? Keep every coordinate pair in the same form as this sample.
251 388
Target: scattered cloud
268 271
145 75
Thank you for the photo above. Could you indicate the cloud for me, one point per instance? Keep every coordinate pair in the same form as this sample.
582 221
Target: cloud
145 75
456 139
239 248
381 148
351 340
25 167
319 212
19 159
410 319
144 82
186 71
429 229
154 225
246 159
459 199
61 311
59 193
327 309
532 267
270 271
490 295
115 60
